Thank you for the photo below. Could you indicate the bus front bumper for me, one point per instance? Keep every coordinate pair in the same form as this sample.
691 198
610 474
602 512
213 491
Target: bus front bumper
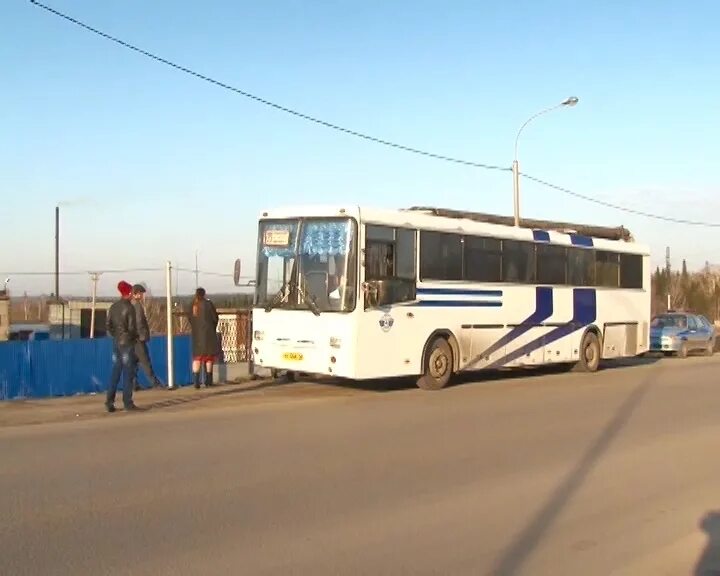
307 359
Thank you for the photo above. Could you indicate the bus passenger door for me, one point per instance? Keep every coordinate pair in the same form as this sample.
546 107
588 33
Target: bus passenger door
388 328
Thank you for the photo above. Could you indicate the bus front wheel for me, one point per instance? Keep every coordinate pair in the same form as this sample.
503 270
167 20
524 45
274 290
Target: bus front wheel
437 366
589 353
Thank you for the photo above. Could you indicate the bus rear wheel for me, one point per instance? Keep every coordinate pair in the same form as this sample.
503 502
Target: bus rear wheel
589 353
437 366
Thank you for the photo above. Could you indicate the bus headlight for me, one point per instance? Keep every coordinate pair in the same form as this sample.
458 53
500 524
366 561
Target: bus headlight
335 342
258 335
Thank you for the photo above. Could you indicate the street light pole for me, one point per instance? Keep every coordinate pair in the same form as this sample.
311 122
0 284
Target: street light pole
516 166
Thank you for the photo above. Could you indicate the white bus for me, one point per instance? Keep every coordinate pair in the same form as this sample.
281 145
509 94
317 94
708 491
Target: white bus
365 293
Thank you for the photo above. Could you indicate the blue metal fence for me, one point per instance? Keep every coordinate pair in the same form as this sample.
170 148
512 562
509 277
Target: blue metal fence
41 369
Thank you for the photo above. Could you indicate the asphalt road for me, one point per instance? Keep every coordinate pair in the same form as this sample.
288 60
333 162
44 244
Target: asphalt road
612 473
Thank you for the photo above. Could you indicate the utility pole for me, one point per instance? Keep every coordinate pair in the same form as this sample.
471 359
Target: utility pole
94 279
516 192
25 305
669 280
57 253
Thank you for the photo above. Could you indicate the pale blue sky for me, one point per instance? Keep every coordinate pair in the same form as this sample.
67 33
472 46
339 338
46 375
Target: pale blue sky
169 164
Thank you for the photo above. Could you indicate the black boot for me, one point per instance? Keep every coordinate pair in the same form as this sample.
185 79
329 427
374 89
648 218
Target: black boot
208 378
196 380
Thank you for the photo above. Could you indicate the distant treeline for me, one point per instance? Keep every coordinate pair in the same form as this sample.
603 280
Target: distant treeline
697 292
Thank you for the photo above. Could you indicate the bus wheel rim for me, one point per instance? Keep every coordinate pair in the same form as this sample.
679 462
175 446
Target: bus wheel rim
590 354
438 365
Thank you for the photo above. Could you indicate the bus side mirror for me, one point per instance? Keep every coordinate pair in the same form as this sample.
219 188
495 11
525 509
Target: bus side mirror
370 290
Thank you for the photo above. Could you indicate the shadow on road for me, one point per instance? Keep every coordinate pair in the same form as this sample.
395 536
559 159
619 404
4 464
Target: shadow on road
388 384
219 391
709 562
478 377
528 540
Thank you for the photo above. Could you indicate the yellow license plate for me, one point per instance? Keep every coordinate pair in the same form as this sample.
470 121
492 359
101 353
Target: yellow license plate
293 356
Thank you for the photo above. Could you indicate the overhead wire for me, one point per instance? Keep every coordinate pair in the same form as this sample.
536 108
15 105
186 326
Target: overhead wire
607 204
264 101
81 272
355 133
119 271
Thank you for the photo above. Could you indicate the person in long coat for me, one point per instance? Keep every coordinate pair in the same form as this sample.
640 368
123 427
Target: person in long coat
205 342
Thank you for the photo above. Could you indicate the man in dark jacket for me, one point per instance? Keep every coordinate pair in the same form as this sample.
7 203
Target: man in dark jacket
122 326
141 346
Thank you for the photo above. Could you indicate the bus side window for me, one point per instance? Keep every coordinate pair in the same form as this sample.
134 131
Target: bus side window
405 264
389 266
379 261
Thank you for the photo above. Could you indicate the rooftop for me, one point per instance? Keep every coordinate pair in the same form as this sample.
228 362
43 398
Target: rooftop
604 232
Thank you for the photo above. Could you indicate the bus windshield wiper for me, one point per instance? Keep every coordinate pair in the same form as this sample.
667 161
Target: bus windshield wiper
287 289
309 299
279 297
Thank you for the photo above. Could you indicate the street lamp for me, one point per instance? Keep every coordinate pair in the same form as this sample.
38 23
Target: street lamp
571 101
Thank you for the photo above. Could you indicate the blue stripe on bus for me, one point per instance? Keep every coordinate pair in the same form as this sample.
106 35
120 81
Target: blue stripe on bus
458 303
543 311
458 292
541 236
578 240
584 314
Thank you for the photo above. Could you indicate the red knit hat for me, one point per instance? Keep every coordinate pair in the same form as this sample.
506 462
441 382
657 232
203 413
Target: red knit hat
124 288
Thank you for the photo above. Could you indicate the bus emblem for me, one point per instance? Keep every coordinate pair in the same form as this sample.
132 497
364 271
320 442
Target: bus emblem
386 322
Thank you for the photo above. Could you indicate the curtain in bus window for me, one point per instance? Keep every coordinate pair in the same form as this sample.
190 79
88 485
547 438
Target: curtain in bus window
518 261
324 238
378 260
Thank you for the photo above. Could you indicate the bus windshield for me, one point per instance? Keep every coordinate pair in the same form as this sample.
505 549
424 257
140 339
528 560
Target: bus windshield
307 264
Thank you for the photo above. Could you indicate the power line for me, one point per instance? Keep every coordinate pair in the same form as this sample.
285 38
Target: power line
82 272
621 208
355 133
268 103
118 271
205 273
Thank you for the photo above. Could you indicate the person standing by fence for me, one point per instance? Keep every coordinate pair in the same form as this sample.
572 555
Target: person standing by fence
141 346
203 319
121 324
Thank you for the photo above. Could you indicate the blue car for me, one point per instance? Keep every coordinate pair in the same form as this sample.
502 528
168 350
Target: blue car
681 333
